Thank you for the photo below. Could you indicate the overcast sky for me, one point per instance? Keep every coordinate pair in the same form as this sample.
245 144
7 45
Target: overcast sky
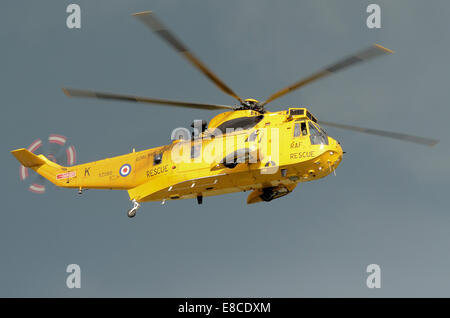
387 205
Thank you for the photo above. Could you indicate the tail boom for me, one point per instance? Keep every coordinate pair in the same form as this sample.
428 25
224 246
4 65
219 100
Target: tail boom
102 174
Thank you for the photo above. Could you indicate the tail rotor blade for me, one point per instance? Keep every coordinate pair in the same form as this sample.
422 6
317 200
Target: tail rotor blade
37 185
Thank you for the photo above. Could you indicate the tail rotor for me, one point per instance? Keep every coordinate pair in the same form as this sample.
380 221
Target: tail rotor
54 148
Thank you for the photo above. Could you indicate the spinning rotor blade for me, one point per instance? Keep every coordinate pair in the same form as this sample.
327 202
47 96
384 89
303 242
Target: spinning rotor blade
371 52
150 20
128 98
37 185
383 133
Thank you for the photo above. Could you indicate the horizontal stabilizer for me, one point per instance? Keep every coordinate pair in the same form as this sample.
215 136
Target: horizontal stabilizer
27 158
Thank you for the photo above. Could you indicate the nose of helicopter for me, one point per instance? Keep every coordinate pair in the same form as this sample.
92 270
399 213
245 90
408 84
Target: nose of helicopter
335 152
326 162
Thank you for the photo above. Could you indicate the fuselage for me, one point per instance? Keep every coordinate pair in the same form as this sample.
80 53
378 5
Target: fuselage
274 150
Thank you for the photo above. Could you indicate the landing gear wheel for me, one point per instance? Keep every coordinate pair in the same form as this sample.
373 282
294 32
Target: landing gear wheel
131 213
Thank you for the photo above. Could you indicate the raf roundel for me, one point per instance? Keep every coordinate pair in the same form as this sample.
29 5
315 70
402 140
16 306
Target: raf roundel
125 170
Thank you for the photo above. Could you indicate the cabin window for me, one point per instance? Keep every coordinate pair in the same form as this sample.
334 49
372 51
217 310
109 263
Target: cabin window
240 123
157 158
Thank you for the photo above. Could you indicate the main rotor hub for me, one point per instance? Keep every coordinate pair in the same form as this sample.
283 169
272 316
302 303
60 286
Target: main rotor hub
252 104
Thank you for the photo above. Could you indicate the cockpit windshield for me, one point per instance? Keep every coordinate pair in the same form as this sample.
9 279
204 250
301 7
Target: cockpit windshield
318 136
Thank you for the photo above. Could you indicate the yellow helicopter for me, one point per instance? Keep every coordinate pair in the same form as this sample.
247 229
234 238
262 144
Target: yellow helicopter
246 148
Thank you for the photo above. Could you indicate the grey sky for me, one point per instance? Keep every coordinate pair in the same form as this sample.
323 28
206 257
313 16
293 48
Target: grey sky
387 205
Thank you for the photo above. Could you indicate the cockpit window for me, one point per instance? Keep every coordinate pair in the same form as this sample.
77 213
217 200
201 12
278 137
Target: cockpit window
240 123
157 158
317 135
303 128
297 132
322 130
300 129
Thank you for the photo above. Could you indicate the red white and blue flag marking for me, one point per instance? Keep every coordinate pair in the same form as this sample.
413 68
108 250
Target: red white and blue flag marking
125 170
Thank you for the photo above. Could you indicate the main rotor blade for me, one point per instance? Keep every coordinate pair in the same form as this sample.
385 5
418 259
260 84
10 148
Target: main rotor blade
383 133
129 98
150 20
371 52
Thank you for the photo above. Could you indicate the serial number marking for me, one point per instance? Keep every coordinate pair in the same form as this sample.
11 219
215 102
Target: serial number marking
105 174
141 157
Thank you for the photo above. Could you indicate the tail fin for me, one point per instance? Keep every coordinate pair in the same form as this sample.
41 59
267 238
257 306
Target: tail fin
27 158
50 170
